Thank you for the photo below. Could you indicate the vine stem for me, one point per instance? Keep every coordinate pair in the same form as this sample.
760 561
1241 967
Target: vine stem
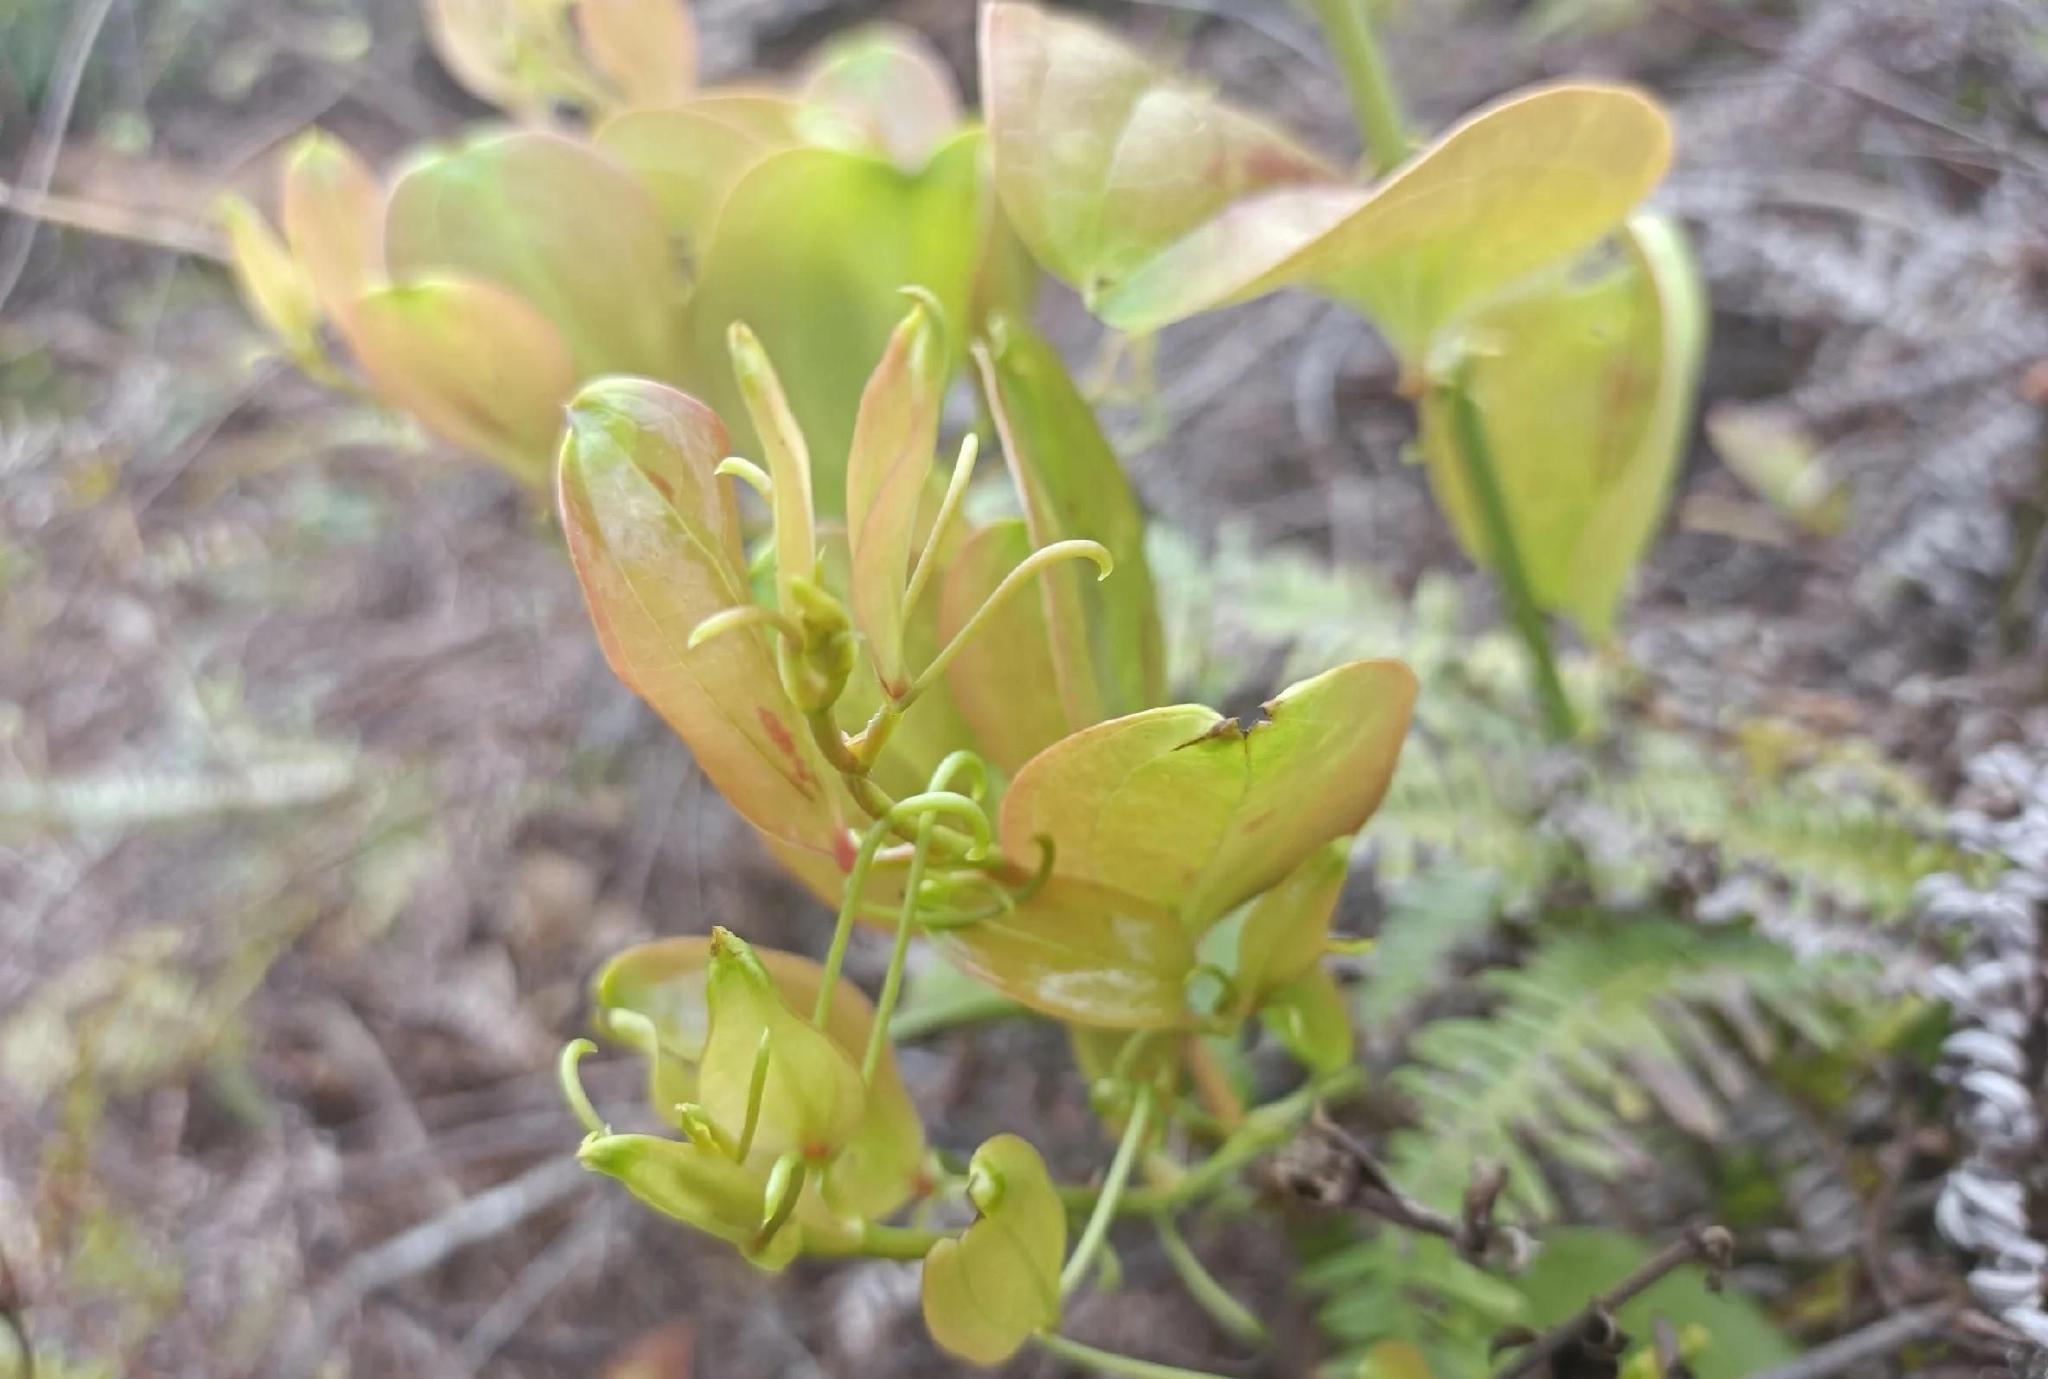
1230 1314
1097 1229
1109 1362
1381 127
892 983
1475 458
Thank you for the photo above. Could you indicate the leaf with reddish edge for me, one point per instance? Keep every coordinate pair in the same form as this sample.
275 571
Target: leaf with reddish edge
1518 187
883 88
690 155
647 49
473 363
1083 953
1104 158
1182 809
333 215
654 536
1004 679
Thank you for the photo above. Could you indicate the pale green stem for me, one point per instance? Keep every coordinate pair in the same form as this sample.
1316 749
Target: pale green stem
1027 569
1097 1229
956 489
1381 128
892 982
1230 1314
1111 1363
743 615
1475 457
757 1088
748 473
573 1053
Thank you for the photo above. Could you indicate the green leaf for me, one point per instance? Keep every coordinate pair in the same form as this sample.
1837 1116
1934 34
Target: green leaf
1585 386
562 225
812 1099
333 216
883 89
690 1183
473 363
689 156
654 535
893 442
1285 933
1083 953
1309 1017
810 250
1183 809
988 1291
646 49
1004 679
660 987
1103 158
789 462
272 285
1072 487
1520 186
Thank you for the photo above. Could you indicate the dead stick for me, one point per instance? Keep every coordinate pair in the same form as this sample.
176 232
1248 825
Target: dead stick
1881 1337
1710 1243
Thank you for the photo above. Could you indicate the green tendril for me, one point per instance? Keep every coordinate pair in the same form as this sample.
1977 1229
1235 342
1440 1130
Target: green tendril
573 1053
1027 569
892 982
757 1085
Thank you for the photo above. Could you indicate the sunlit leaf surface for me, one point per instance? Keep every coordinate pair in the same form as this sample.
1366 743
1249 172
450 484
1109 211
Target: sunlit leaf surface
987 1291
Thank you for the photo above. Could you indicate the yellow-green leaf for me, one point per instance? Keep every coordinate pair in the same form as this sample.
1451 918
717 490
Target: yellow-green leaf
1284 934
1083 953
811 1100
1072 487
988 1291
1183 809
1770 450
809 226
515 54
789 461
1004 679
271 282
660 986
333 217
473 363
690 1183
647 49
1309 1017
893 442
562 225
688 156
882 88
1103 158
1519 187
1584 387
655 539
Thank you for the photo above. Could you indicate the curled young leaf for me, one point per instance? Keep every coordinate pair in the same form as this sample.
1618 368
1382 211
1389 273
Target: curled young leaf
559 223
655 539
882 88
1071 486
1103 158
333 218
473 363
1584 387
1083 953
693 1184
893 442
789 462
810 1100
1519 187
988 1291
660 988
1183 809
646 49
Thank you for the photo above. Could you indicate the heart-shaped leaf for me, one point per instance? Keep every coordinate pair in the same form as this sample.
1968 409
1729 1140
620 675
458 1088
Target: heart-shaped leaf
655 539
988 1291
1103 158
1520 186
334 221
473 363
1083 953
1004 679
1182 809
884 90
1072 487
659 987
1584 388
560 224
893 442
805 226
646 49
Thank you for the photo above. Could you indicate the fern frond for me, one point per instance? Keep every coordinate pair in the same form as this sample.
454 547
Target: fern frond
1557 1069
